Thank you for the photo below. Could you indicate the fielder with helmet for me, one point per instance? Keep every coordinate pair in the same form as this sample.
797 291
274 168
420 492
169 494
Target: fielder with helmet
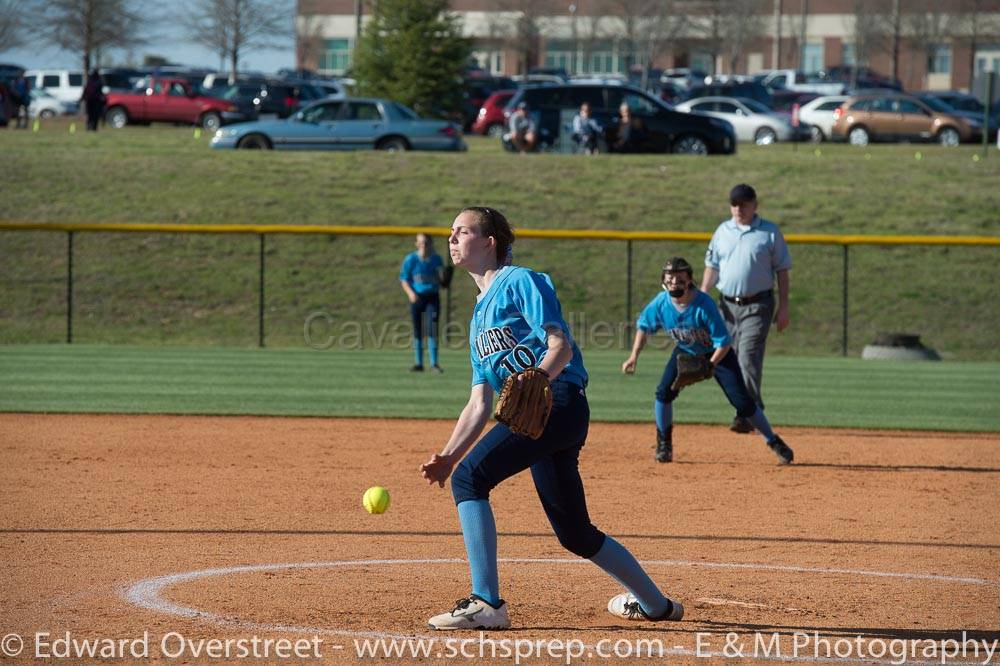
521 346
692 319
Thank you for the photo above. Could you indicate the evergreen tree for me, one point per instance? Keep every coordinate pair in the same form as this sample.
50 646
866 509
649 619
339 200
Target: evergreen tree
413 52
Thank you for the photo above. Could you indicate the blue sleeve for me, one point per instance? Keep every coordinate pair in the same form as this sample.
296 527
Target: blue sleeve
406 271
649 319
712 253
781 260
537 302
715 324
477 372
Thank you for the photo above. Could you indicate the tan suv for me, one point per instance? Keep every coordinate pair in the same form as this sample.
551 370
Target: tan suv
897 117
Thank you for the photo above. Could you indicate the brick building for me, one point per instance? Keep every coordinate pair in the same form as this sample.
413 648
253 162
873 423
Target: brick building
938 43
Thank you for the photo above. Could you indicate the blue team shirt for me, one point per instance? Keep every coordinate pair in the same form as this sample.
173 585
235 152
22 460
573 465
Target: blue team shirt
508 334
420 274
747 258
697 328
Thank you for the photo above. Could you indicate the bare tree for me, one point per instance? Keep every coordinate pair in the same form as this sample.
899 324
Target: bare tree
886 19
744 22
866 34
309 41
530 20
594 28
929 25
648 27
88 27
13 25
728 27
230 28
975 23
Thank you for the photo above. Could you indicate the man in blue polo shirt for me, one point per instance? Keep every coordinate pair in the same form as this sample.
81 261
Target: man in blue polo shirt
746 256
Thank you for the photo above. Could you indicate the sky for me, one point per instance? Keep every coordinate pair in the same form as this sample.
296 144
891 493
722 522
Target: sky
41 57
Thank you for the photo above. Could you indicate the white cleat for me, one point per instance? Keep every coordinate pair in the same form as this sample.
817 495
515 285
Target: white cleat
472 613
626 606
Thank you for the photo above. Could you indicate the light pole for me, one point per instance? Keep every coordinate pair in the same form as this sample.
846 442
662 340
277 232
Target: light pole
576 45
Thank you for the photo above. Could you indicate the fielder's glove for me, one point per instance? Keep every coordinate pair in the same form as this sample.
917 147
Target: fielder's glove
524 406
691 370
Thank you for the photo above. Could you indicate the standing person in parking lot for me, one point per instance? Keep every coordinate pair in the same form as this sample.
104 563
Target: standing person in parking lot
93 100
746 256
421 278
523 131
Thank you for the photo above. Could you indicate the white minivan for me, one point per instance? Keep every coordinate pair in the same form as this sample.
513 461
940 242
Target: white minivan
66 85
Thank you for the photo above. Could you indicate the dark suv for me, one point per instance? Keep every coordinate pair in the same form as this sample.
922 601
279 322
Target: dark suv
553 106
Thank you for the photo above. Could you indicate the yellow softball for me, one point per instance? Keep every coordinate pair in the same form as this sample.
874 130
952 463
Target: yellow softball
376 500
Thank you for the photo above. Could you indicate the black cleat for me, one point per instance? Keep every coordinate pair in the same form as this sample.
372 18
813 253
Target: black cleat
665 445
782 450
741 425
437 369
417 368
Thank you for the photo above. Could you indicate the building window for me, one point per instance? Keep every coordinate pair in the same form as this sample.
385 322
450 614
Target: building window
561 54
812 58
491 61
336 56
848 55
939 59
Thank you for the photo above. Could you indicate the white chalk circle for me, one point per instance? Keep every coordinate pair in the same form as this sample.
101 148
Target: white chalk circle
147 594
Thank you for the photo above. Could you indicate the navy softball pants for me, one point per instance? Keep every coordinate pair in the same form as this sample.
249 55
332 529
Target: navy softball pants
431 304
727 374
553 460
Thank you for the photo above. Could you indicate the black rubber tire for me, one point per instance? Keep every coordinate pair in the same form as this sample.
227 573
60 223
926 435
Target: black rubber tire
254 142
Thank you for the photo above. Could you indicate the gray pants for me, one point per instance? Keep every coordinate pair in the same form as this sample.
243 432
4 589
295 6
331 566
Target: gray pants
748 326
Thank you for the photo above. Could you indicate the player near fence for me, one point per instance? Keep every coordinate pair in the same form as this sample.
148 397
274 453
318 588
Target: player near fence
420 277
746 256
521 346
702 350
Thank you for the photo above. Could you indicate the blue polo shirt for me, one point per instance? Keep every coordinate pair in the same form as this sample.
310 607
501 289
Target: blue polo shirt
747 259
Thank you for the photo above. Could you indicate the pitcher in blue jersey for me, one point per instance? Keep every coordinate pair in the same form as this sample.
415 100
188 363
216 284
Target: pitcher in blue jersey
420 277
692 319
518 323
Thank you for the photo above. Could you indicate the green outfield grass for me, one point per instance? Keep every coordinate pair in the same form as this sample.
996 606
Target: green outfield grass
822 392
154 289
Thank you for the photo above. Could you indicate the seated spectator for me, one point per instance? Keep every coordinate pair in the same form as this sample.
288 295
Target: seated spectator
523 131
586 130
630 132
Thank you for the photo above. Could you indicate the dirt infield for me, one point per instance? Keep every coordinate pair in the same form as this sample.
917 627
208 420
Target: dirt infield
889 536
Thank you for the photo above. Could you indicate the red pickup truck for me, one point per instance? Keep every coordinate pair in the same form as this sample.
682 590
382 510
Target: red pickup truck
172 101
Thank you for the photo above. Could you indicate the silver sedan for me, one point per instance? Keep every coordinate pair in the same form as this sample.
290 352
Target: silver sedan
751 120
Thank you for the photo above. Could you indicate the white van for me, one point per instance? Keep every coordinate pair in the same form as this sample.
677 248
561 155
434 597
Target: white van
66 85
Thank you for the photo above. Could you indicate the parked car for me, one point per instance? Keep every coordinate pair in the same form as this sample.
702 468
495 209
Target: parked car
476 89
349 124
898 117
795 80
490 120
751 120
666 131
169 100
119 79
65 85
962 104
283 98
45 105
783 101
683 77
819 115
745 89
858 78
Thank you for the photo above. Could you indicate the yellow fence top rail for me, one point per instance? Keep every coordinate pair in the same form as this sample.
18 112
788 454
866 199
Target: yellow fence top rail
577 234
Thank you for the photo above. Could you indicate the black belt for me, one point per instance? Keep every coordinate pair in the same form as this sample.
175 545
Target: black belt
747 300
